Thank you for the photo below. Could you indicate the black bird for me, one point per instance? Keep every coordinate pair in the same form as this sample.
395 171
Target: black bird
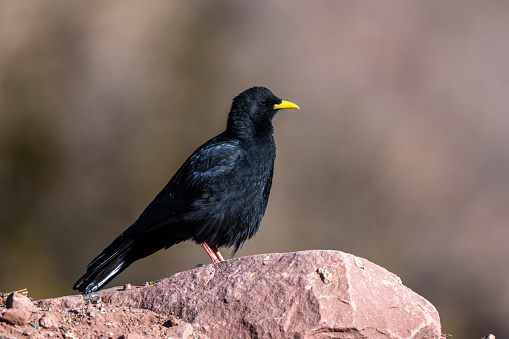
218 197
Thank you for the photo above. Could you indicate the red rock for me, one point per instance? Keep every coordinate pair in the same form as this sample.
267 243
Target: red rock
70 335
131 336
70 301
16 316
17 300
48 321
182 330
312 294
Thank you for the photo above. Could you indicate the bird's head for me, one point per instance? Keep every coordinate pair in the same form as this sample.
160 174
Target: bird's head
252 111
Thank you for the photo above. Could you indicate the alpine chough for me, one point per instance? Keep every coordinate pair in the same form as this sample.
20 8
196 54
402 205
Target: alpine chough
217 198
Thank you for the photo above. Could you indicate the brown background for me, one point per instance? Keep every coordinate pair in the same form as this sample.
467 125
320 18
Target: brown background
399 153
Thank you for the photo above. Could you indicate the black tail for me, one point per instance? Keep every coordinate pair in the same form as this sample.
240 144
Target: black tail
105 266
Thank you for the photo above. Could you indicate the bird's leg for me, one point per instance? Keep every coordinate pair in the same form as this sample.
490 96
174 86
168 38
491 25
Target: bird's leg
218 255
211 254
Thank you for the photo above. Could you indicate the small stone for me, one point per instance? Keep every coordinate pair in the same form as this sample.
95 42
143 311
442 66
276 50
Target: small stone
359 263
127 287
70 335
489 336
325 275
131 336
16 316
183 330
48 321
95 298
92 313
35 325
75 310
17 300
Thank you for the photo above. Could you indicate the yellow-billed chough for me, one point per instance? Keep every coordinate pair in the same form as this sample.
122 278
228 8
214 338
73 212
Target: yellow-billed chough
217 198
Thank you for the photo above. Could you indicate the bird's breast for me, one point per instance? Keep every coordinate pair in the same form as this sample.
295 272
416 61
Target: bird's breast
232 208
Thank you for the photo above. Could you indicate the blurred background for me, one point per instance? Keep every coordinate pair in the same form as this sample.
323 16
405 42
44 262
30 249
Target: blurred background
399 153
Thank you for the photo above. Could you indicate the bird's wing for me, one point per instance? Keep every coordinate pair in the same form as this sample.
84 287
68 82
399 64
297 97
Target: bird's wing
205 170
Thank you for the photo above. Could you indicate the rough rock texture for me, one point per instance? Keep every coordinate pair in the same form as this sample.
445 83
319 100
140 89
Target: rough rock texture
16 316
310 294
48 321
17 300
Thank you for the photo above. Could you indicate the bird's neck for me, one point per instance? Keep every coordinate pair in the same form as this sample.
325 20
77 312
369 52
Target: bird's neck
247 129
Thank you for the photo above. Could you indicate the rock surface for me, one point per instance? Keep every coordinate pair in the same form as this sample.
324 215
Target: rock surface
16 316
309 294
17 300
48 321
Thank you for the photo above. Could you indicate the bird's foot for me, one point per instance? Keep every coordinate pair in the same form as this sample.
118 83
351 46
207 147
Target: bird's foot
213 253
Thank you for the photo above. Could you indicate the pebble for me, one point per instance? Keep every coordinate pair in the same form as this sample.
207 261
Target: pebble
70 335
131 336
95 298
47 321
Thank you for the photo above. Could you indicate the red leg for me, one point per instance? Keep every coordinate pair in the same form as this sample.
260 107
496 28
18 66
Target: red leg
211 254
218 255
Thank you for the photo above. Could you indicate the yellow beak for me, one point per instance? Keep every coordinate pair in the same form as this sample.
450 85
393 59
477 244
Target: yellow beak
286 104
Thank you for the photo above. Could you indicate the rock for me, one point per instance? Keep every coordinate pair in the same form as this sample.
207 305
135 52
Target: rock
92 313
489 336
312 294
131 336
179 328
95 299
17 300
183 330
61 302
48 321
70 335
16 316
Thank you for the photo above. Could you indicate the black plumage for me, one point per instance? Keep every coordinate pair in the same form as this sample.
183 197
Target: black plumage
217 198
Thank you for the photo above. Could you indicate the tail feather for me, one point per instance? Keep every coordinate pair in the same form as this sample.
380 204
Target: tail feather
128 247
105 267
